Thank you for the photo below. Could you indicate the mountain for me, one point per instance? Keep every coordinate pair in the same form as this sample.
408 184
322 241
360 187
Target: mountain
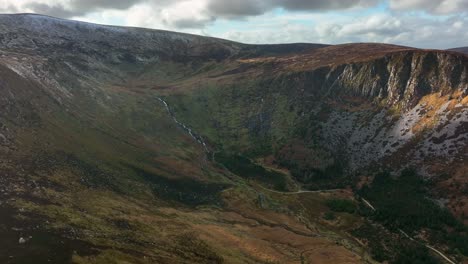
461 50
148 146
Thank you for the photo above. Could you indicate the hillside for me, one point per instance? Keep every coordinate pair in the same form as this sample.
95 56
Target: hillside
149 146
461 50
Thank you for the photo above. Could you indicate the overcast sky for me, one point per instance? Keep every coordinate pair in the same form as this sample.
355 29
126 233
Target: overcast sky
418 23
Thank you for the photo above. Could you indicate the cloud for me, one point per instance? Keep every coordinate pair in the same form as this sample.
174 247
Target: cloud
431 6
207 10
93 4
7 7
192 23
172 14
57 10
376 25
416 31
241 8
323 4
187 15
74 8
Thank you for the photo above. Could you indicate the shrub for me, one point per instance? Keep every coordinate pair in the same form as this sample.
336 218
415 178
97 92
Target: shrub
341 205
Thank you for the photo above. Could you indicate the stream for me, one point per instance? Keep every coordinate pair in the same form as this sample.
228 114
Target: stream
188 130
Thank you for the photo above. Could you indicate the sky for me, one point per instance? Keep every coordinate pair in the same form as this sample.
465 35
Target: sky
437 24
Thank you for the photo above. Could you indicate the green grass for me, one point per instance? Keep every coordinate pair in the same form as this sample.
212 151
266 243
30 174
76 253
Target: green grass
247 169
187 191
341 205
330 216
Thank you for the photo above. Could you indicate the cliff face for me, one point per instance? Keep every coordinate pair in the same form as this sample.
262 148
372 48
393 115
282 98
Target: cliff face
404 78
415 97
418 96
417 84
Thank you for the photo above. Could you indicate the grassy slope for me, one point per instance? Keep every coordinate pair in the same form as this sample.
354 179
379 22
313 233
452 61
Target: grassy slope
110 181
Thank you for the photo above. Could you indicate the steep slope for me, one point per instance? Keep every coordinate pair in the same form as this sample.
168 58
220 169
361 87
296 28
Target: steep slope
100 139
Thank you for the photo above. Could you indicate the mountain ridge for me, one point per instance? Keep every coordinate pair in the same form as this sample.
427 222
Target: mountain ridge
463 50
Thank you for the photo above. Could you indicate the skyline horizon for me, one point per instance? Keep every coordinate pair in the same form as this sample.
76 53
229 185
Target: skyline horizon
427 24
217 37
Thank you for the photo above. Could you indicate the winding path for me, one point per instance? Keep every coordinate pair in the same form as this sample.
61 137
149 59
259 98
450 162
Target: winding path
300 191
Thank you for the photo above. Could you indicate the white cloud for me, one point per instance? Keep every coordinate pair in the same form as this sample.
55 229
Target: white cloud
432 6
406 30
177 13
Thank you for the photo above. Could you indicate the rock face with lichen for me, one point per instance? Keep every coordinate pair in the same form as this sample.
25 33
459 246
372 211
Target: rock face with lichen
417 97
403 79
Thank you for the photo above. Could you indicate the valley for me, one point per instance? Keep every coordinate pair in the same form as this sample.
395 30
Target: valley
131 145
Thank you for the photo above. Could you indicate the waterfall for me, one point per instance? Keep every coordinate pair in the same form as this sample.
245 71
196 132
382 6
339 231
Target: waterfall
195 136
